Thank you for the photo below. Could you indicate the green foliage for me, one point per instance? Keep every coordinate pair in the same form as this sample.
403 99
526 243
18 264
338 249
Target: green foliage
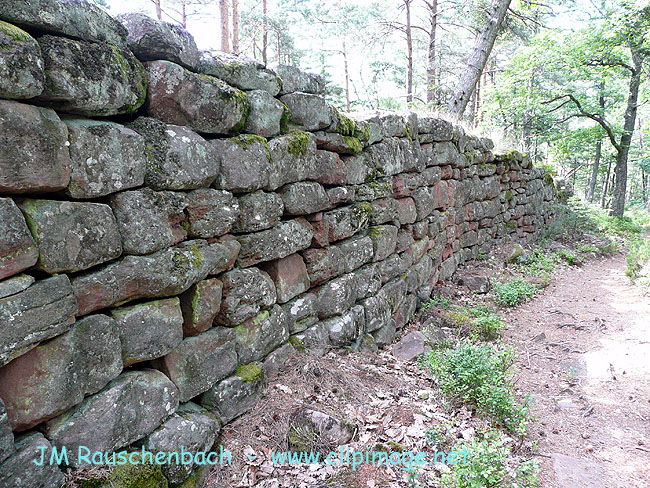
486 324
538 263
488 465
437 301
638 257
478 375
514 292
569 256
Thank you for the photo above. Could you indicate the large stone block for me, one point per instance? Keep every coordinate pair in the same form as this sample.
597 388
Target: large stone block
267 117
240 71
191 429
71 236
79 19
425 201
245 293
334 169
15 284
258 211
127 409
21 69
384 240
150 40
106 157
315 340
149 330
31 164
45 309
149 220
345 329
323 264
292 158
177 157
18 250
355 252
336 296
407 212
289 275
245 163
304 198
296 80
378 312
237 394
384 124
91 79
440 130
57 375
339 143
395 155
344 222
204 103
301 312
200 361
165 273
200 305
20 470
278 242
210 212
307 111
262 334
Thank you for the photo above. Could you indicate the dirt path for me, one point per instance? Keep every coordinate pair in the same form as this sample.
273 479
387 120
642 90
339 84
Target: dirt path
584 345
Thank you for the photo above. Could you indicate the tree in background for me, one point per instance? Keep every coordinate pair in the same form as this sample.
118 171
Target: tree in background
225 25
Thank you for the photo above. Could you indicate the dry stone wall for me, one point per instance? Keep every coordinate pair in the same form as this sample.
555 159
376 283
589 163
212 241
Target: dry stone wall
175 224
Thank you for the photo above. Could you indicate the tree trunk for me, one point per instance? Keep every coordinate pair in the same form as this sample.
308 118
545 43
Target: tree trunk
620 169
606 184
184 15
265 31
347 77
478 58
225 26
431 55
409 53
279 49
158 9
644 186
594 172
235 26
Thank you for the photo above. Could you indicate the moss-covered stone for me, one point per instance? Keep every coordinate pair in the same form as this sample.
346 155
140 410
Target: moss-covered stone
298 141
249 372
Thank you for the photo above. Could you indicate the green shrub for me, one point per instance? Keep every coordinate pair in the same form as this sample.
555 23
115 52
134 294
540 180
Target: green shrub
486 324
539 263
513 292
486 463
637 258
569 256
478 375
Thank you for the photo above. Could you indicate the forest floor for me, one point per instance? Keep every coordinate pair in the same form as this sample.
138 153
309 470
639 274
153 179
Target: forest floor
582 351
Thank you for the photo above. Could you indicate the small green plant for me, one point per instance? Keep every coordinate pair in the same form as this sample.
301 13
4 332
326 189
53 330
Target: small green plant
639 255
487 325
482 256
569 257
479 375
538 263
587 248
513 292
487 462
437 301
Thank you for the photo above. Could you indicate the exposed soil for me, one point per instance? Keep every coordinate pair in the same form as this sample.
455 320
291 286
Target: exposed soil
583 349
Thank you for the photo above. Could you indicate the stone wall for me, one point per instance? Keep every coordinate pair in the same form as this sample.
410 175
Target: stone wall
175 224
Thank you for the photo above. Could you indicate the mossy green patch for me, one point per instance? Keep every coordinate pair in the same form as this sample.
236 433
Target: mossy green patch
353 144
249 372
284 120
346 125
298 141
297 344
509 196
14 32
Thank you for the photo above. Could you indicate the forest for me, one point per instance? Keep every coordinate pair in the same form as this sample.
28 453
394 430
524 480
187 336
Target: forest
562 80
